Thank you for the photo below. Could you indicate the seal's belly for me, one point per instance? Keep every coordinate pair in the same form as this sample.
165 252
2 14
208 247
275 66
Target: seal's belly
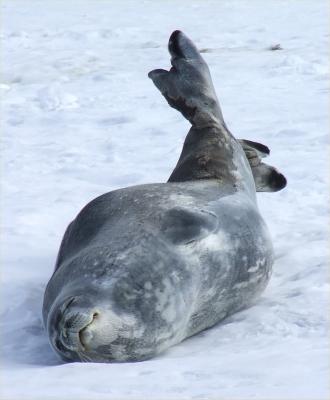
235 265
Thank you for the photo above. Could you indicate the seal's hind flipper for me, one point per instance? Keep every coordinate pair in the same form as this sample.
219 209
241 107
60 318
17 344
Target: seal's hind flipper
208 151
188 86
254 151
266 177
254 147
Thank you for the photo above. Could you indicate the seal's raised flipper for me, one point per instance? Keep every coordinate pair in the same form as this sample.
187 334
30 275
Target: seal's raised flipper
209 146
187 86
210 151
266 177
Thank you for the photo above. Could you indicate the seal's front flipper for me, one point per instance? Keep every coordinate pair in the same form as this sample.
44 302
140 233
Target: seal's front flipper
183 226
266 177
188 86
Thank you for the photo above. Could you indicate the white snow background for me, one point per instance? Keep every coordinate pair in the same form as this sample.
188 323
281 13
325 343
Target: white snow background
80 118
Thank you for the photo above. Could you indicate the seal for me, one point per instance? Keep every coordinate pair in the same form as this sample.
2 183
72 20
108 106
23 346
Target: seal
142 268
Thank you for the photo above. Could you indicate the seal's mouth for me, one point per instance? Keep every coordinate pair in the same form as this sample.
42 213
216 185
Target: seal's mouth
71 324
85 335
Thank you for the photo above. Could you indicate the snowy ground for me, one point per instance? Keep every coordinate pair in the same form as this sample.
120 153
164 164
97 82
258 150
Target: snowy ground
80 118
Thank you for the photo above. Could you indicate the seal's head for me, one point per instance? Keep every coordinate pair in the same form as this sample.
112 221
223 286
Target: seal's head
80 325
114 306
83 327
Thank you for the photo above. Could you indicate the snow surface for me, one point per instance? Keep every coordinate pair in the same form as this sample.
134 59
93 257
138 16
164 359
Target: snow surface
80 118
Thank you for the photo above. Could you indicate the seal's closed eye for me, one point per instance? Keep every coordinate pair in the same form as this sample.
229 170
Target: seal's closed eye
182 226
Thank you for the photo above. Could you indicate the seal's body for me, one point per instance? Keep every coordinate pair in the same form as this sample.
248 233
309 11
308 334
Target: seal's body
142 268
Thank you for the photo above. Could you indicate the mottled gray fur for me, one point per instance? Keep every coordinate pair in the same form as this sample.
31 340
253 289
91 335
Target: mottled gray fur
142 268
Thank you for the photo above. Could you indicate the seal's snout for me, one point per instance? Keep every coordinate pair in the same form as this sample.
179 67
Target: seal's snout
73 322
80 329
67 322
